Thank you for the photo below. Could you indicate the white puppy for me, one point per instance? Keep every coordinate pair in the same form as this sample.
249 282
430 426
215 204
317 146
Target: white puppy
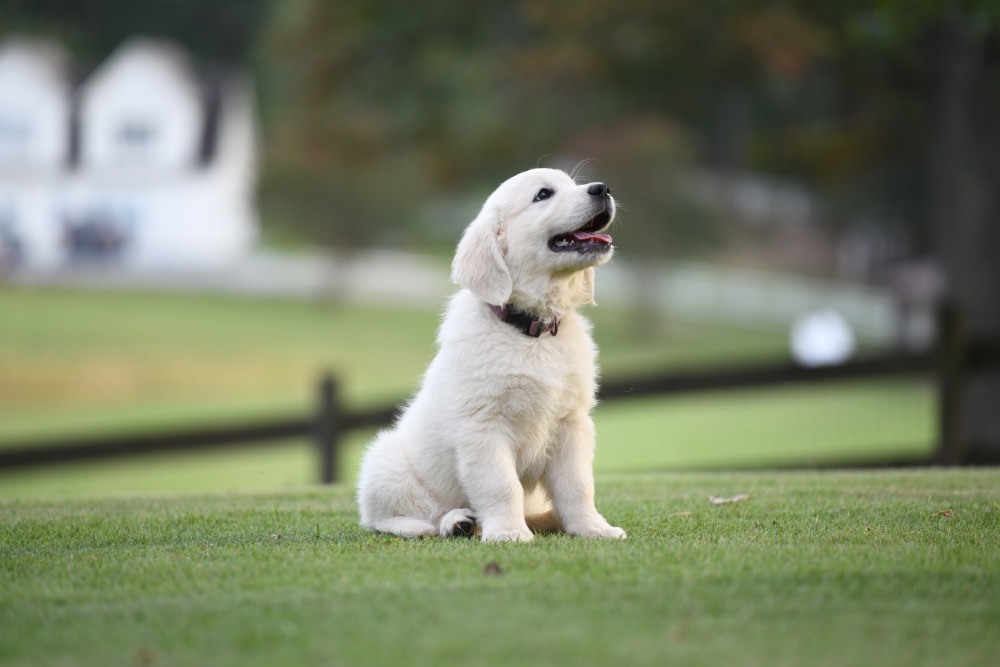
501 427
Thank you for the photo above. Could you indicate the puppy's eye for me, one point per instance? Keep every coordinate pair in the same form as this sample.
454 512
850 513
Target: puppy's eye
544 193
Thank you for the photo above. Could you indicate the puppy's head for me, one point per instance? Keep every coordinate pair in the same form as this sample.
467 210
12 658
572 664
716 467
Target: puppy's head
537 229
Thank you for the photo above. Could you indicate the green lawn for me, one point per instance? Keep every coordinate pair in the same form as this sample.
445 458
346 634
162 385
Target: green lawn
93 361
852 568
80 363
848 423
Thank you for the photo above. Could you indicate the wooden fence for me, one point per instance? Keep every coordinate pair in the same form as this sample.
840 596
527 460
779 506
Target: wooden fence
951 361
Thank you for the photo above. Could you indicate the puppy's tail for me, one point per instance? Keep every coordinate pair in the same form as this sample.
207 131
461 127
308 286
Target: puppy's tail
546 522
538 512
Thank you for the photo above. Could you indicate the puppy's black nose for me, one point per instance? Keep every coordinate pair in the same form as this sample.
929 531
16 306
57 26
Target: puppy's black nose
598 190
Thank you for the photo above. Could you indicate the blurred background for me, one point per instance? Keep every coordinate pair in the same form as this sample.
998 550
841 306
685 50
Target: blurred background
206 206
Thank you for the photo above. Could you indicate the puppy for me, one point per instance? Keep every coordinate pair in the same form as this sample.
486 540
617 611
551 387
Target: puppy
500 433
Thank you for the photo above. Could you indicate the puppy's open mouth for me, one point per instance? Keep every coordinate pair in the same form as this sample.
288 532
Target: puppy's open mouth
586 239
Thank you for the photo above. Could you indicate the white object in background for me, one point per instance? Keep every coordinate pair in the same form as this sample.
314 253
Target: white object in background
822 338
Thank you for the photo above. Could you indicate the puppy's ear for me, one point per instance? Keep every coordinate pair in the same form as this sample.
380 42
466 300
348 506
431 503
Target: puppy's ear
479 264
583 286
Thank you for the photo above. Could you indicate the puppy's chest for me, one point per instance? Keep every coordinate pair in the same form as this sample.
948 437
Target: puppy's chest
532 400
547 384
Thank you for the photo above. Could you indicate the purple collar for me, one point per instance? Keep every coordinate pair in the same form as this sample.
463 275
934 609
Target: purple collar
527 324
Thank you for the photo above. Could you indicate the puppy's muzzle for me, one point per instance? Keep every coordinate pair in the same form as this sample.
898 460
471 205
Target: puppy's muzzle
588 239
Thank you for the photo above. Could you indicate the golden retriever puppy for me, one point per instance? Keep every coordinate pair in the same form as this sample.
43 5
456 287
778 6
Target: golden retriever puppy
500 433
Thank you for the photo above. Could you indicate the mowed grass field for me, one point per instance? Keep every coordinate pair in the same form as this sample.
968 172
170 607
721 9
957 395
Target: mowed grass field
822 569
84 364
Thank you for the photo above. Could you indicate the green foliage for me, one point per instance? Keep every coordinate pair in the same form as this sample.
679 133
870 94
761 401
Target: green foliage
659 216
819 569
835 95
221 30
381 99
374 109
897 24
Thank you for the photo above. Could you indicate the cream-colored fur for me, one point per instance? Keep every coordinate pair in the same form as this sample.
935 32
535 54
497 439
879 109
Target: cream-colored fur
501 426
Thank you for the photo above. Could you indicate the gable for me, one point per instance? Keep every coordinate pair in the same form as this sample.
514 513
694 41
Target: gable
143 109
34 104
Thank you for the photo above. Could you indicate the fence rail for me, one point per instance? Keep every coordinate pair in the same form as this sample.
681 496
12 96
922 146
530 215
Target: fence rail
949 363
325 426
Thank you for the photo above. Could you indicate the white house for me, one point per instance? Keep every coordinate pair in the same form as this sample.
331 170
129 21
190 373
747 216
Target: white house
148 164
34 105
143 110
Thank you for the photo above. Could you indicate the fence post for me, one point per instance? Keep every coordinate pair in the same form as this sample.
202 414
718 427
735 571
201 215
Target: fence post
950 367
327 429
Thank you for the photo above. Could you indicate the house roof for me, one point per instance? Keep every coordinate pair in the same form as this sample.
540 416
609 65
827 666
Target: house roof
41 56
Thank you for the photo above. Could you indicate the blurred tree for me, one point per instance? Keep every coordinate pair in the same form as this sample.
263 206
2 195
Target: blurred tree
717 66
964 188
890 108
955 50
659 215
670 88
457 98
654 157
383 106
223 31
913 139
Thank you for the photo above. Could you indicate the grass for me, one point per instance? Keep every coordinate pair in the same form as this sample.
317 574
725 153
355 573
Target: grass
854 422
73 361
833 568
842 422
94 362
81 363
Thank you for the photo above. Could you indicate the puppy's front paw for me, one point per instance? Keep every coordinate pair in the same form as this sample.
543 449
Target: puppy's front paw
613 532
597 529
457 523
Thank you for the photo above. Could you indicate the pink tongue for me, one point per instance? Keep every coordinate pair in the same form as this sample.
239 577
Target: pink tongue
589 236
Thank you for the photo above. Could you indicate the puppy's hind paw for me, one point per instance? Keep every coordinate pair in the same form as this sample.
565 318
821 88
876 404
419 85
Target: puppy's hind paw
457 523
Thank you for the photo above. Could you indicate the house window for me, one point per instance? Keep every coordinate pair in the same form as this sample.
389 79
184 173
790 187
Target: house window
135 138
14 136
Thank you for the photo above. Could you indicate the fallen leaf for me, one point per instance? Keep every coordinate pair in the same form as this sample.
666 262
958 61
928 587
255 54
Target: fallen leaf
719 500
943 513
276 536
492 569
143 657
